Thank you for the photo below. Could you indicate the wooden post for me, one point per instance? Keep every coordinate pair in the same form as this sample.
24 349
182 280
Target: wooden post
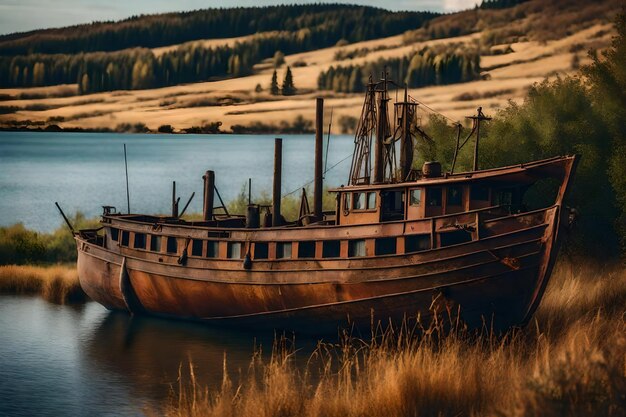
209 195
278 165
174 202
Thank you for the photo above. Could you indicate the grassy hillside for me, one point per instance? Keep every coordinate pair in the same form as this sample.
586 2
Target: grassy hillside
516 47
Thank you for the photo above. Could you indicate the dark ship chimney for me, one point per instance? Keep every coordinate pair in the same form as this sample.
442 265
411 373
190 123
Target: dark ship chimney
319 147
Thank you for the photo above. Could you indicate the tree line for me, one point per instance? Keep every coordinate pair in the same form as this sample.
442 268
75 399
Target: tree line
427 66
139 68
331 21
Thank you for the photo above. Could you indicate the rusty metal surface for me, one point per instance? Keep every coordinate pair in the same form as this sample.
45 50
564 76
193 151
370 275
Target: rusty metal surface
200 292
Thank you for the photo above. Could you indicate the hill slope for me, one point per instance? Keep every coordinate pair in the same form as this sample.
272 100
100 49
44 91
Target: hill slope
516 46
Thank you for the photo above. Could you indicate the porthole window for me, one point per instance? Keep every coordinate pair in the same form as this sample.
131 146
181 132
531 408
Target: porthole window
358 201
125 238
371 201
261 250
172 244
416 243
346 201
454 196
331 249
234 250
415 198
479 192
155 243
212 249
283 250
139 241
306 249
356 248
433 197
385 246
196 247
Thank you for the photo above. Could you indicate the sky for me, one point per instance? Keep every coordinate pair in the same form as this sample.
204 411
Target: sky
25 15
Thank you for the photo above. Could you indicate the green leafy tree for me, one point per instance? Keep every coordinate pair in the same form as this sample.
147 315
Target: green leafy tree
607 75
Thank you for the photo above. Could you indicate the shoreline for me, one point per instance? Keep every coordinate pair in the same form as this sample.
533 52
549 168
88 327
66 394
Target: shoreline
56 283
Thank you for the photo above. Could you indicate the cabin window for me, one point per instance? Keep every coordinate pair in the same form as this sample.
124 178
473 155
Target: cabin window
356 248
196 247
454 196
371 201
346 201
385 246
455 238
504 197
392 205
212 248
172 244
433 197
125 238
331 249
115 234
416 243
155 243
358 201
234 250
479 193
140 241
415 198
306 249
261 250
283 250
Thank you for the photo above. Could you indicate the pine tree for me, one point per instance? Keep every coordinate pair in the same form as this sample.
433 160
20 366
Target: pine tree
274 84
288 88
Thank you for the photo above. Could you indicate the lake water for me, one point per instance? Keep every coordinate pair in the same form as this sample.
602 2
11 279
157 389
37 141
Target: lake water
61 360
74 361
84 171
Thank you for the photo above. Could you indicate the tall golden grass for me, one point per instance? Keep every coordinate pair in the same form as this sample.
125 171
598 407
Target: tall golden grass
57 284
571 360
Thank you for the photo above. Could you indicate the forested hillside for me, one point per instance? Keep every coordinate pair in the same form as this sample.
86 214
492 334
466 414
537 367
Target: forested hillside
328 23
183 72
66 56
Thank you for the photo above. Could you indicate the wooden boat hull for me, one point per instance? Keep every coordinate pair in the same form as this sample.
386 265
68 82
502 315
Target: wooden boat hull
495 282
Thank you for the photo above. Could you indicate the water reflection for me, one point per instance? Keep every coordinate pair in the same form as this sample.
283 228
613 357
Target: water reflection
149 350
60 360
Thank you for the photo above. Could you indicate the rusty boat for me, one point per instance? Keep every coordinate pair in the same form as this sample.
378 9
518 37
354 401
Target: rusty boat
398 242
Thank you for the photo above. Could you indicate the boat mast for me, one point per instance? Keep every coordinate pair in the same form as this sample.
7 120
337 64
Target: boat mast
477 119
384 157
361 161
406 114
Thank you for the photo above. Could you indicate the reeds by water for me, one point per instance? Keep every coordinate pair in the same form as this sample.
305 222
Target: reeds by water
571 360
57 284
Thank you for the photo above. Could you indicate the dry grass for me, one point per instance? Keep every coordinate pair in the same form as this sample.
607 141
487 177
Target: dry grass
570 361
57 284
529 62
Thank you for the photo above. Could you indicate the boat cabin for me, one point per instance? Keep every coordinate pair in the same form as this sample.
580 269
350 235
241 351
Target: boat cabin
420 200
